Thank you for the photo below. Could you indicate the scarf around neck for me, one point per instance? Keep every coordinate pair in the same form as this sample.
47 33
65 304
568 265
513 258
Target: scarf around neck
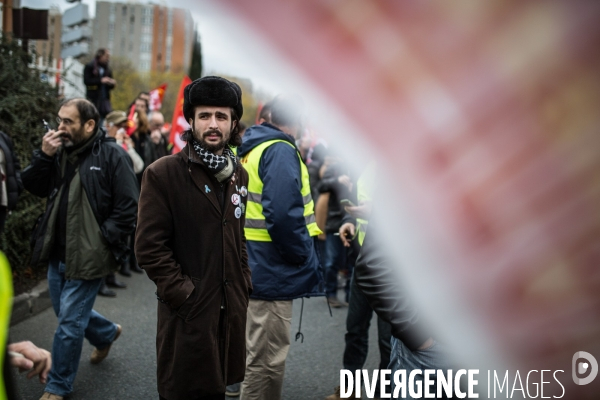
221 166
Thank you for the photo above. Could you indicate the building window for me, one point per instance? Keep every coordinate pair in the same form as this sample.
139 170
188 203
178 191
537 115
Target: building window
124 11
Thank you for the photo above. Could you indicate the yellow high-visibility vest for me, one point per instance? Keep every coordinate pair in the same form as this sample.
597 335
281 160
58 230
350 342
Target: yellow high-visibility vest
256 224
364 193
6 295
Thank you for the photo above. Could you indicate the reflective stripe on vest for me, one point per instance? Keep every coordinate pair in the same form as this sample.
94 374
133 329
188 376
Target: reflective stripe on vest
364 192
256 225
6 294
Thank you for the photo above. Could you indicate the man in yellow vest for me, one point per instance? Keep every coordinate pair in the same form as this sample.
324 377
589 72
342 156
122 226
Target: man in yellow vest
280 231
23 355
360 312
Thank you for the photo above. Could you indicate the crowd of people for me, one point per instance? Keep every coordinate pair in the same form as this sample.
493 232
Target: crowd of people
231 230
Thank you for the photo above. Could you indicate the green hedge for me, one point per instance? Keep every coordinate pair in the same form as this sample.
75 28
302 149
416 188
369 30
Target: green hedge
24 101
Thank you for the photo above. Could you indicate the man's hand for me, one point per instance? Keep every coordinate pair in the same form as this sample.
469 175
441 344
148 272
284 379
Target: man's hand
347 231
363 211
35 360
108 81
427 344
51 142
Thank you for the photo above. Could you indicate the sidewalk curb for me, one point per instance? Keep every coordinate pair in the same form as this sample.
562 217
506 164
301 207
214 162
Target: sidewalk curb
26 305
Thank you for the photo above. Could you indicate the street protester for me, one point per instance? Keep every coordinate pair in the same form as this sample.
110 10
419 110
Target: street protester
158 136
24 355
116 127
82 237
358 320
336 182
413 345
281 231
99 81
190 240
11 185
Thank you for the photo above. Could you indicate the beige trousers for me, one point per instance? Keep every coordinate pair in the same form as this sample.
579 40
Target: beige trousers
268 326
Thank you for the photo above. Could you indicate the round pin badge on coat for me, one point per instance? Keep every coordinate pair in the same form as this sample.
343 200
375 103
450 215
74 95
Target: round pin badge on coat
238 212
235 199
244 191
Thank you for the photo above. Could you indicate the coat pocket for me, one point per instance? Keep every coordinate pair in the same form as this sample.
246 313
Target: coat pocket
190 303
186 307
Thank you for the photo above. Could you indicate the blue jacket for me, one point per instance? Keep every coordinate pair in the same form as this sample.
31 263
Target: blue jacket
288 267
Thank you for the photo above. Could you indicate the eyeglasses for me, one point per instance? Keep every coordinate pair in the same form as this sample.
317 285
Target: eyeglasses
65 121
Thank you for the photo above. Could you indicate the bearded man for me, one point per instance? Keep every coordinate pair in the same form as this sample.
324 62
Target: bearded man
92 201
190 240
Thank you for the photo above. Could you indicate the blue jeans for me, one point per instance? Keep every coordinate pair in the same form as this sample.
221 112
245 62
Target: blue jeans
335 260
435 357
73 301
358 321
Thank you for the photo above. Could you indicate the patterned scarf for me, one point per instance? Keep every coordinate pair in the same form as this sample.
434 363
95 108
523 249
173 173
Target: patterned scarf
222 166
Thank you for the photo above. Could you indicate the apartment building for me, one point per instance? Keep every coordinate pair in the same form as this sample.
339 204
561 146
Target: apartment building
76 32
153 37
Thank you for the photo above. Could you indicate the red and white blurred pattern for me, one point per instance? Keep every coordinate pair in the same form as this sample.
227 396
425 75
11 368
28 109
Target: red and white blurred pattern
488 117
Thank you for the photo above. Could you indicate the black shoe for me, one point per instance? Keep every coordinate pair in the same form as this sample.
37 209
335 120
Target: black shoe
125 271
135 267
113 282
106 292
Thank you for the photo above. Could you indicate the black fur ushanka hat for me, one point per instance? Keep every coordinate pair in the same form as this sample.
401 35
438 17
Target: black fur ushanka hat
212 91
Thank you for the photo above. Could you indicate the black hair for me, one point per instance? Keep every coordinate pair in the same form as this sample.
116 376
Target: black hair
86 110
265 111
100 52
145 102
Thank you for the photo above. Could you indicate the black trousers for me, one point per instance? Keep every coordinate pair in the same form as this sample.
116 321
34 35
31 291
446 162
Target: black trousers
211 397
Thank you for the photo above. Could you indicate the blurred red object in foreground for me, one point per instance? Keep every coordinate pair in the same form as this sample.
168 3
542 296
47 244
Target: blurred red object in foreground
488 114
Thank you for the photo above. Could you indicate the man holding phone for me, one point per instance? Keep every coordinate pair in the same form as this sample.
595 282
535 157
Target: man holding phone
352 234
92 203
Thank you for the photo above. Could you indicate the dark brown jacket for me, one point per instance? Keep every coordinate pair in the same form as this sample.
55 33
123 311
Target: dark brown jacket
191 244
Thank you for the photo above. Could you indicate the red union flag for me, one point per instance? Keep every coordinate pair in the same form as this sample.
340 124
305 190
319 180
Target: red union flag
487 115
156 97
131 117
179 124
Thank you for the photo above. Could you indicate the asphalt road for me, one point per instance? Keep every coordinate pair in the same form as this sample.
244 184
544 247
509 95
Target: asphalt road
129 372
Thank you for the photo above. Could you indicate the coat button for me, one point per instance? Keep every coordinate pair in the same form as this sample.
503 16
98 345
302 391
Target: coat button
226 282
224 221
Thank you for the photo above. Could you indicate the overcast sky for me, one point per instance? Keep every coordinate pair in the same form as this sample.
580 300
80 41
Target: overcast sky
220 34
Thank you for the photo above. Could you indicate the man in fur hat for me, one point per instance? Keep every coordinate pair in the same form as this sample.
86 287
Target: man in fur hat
190 240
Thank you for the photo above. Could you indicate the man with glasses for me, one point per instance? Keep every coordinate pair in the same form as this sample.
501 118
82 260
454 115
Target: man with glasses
92 203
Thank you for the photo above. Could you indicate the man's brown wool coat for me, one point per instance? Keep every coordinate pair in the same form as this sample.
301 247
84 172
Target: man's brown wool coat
192 244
